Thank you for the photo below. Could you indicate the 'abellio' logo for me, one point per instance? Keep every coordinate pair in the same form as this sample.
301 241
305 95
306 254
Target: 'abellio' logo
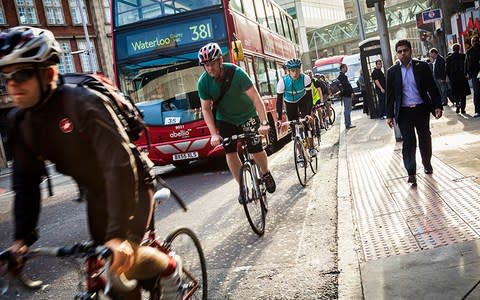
181 133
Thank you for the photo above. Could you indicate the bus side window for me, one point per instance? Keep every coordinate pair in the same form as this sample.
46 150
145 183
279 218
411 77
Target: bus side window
262 76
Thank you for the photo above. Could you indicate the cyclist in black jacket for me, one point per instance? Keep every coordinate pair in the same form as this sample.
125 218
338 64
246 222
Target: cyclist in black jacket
347 95
78 131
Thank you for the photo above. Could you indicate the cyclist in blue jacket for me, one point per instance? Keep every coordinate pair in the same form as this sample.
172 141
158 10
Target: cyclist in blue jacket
295 90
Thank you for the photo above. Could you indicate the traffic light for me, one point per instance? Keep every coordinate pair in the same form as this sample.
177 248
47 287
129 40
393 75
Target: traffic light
371 3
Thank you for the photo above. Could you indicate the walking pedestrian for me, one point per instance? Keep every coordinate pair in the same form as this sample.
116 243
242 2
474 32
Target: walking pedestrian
458 82
472 65
439 74
411 96
378 78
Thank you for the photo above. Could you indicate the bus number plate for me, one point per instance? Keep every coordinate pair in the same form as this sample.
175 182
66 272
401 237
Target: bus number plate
187 155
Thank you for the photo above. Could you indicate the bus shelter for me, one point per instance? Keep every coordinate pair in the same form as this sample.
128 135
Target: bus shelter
370 51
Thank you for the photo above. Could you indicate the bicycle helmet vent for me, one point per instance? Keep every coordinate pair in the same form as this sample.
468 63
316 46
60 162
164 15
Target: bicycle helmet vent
23 44
209 52
294 63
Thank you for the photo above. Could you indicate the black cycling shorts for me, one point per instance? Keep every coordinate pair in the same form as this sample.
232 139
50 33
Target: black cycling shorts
254 145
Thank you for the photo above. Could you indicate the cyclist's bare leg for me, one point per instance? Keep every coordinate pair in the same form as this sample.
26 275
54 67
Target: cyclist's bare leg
261 160
149 262
234 164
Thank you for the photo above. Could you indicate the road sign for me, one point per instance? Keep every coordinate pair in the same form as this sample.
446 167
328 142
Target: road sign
432 15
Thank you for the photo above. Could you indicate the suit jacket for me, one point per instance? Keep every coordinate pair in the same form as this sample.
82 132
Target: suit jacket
439 68
425 83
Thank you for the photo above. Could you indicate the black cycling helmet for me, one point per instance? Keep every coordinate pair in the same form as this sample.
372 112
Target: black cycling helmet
23 44
293 63
209 52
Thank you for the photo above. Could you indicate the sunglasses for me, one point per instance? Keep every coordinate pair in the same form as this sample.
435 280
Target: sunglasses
402 51
18 76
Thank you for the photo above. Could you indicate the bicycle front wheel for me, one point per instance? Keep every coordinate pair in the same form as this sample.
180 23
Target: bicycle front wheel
300 161
253 206
185 243
316 131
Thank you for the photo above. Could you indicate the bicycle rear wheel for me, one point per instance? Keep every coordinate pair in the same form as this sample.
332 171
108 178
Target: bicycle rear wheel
253 206
314 162
300 161
324 121
332 117
185 243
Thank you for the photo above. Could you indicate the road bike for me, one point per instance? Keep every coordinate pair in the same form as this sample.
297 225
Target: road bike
251 183
98 281
301 150
326 114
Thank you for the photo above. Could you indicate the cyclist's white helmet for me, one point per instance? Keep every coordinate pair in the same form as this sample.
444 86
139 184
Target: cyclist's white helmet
209 52
23 44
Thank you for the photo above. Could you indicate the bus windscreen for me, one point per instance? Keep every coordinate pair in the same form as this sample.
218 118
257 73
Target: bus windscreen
168 95
133 11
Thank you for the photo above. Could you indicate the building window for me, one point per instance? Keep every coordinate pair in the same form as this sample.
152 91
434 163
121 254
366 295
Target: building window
85 58
27 13
2 15
106 9
76 13
66 60
54 12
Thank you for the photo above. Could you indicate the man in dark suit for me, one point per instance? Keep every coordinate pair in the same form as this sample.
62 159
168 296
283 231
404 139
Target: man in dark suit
411 96
439 74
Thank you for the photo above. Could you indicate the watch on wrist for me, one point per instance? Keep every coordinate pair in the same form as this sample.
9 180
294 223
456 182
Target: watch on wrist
264 123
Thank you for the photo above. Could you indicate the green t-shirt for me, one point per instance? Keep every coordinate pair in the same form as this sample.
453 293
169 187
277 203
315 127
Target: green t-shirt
235 107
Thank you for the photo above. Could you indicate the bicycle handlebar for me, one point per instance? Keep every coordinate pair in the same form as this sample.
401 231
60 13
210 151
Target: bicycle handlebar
230 139
78 250
298 121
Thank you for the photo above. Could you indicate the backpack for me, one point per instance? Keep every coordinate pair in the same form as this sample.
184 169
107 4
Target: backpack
124 107
336 86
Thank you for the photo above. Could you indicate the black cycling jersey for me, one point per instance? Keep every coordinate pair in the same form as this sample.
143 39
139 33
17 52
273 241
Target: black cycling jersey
79 132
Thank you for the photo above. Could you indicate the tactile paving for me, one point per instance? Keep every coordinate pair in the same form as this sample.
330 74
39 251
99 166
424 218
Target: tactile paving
395 218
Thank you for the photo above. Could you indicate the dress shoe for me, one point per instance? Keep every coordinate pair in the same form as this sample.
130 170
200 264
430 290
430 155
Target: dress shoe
412 179
458 110
351 126
428 170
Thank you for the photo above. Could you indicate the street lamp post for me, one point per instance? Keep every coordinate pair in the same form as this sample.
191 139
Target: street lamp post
361 29
89 47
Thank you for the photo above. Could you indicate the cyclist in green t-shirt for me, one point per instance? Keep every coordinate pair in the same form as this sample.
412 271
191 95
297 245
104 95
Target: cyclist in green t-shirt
239 110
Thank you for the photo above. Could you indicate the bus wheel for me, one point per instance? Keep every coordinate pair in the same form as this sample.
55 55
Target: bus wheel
272 138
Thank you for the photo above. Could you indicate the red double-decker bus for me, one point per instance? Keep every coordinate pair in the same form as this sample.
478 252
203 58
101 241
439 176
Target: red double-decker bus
155 58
